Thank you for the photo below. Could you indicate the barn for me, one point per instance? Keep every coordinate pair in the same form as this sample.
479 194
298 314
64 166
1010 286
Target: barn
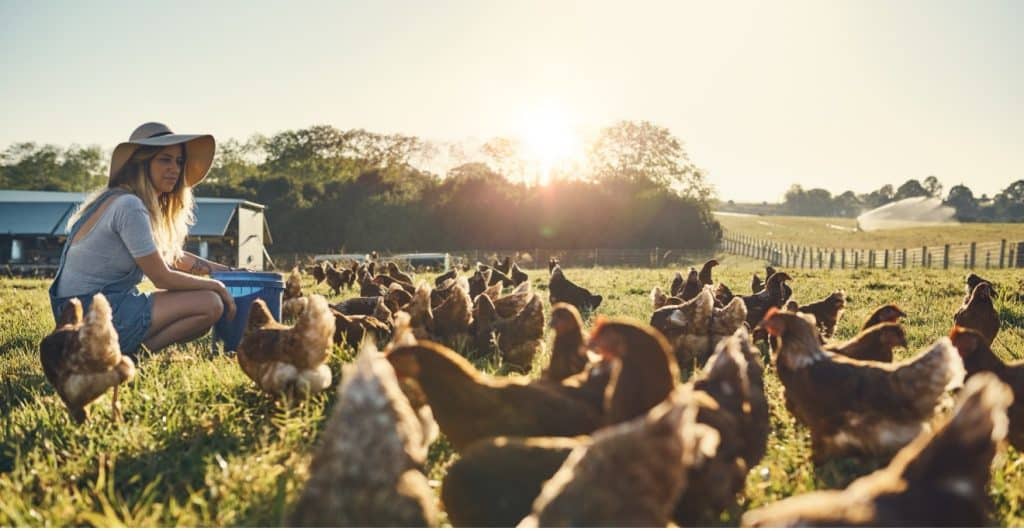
33 228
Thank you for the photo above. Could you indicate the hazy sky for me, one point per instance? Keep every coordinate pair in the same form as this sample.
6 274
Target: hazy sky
840 95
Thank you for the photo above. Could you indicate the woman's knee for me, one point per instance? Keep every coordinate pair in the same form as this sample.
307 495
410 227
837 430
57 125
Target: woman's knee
213 305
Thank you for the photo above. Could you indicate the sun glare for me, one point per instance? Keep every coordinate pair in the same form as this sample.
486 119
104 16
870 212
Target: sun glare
549 141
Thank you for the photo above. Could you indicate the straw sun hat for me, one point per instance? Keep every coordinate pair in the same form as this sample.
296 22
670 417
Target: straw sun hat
198 150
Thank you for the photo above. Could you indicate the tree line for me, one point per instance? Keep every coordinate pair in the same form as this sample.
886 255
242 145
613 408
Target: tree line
329 190
1007 205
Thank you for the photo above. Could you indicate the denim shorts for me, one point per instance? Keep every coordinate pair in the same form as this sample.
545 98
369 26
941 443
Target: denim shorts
133 313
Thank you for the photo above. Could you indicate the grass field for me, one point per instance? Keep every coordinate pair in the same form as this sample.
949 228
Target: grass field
200 446
841 232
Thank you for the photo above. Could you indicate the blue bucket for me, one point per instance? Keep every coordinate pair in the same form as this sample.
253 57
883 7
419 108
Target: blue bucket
245 287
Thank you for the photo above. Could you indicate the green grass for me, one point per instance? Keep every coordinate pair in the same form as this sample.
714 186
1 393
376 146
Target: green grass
200 446
839 232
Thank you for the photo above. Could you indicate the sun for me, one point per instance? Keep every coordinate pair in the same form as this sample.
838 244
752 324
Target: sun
549 141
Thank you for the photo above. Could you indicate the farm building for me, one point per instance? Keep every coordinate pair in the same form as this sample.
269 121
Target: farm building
33 228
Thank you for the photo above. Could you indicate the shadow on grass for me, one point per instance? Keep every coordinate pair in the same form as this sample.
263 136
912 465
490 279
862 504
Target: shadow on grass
20 388
839 473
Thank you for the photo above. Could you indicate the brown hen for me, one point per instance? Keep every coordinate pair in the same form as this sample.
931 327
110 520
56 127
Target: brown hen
858 407
979 312
938 480
562 290
82 359
288 360
978 357
367 469
874 344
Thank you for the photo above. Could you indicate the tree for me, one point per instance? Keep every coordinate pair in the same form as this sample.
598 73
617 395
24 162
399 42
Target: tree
642 152
962 199
911 188
933 186
29 166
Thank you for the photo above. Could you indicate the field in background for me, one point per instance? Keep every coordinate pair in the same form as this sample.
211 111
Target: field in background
200 446
842 232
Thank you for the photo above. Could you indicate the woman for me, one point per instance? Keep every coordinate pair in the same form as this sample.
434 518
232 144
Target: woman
137 226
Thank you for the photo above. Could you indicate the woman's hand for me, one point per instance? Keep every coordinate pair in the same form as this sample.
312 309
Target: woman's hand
229 302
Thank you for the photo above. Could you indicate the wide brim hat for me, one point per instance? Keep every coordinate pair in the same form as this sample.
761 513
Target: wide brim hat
199 150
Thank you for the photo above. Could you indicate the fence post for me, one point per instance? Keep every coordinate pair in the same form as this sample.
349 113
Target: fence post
1002 253
886 260
988 255
842 259
974 251
945 256
924 256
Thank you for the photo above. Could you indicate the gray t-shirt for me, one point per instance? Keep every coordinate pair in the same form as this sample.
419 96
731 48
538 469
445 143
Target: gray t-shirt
107 253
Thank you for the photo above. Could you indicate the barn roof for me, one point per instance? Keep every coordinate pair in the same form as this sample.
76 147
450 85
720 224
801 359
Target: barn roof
32 213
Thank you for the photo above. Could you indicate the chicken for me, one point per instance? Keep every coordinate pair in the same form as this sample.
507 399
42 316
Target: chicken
569 351
494 482
81 357
500 276
358 305
827 312
319 272
887 313
695 327
874 344
505 266
979 312
397 274
978 357
690 288
756 284
469 405
288 360
451 318
517 275
660 299
292 308
387 281
351 329
514 302
938 480
441 279
772 296
705 272
367 469
562 290
723 295
518 337
630 475
972 282
676 286
396 298
858 407
730 398
644 373
479 282
369 288
420 312
293 286
336 278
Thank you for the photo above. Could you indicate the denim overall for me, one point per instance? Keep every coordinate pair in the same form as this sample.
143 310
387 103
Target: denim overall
133 310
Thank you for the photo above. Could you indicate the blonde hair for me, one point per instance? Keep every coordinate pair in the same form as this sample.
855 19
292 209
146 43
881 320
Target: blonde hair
170 214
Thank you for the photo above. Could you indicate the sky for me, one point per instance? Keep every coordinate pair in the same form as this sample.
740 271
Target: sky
842 95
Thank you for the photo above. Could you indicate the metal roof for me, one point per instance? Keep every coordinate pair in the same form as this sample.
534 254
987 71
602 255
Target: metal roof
32 213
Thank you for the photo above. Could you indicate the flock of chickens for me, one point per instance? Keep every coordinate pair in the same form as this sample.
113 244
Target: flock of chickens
629 423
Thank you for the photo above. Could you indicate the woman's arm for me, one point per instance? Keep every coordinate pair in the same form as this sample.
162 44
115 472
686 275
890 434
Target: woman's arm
164 277
195 265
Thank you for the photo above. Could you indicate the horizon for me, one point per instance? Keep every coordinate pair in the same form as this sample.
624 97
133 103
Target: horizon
840 96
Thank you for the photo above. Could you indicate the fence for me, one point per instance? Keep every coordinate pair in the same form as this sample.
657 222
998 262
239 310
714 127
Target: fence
974 255
538 258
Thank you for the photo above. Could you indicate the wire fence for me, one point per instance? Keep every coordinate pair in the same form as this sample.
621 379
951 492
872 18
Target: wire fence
973 255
